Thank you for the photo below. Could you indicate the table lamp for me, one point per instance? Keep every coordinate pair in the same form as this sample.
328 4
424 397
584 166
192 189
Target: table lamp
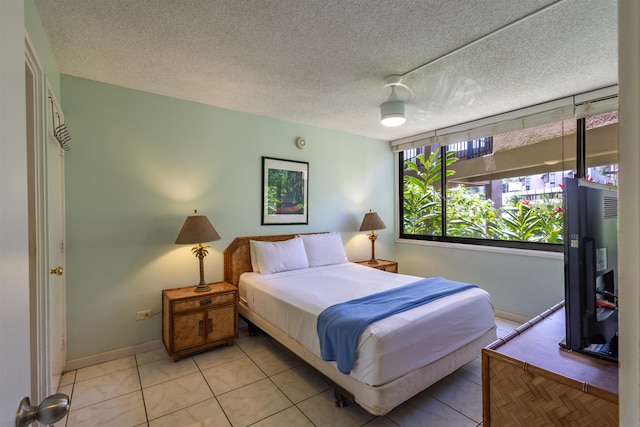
372 222
198 229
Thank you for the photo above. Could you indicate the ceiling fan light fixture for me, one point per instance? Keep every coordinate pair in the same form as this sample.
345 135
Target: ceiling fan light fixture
393 112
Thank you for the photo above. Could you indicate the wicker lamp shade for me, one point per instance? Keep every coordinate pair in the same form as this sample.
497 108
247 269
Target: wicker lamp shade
198 229
372 221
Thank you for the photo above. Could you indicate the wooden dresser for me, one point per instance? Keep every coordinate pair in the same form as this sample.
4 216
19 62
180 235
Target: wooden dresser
528 380
198 321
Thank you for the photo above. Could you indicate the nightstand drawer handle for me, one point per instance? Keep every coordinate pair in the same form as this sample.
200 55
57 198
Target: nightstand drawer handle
201 328
210 324
205 301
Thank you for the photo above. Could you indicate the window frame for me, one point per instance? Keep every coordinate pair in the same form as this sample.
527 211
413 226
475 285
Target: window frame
511 244
583 105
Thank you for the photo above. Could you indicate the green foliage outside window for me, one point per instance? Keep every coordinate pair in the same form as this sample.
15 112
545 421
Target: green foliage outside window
471 214
423 201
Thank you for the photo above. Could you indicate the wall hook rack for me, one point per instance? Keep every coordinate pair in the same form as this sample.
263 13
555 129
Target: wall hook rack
60 132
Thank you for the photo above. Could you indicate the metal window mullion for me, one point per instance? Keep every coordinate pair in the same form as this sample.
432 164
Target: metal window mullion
581 148
443 189
401 192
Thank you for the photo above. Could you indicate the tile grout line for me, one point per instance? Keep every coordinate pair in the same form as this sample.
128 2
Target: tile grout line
293 404
303 364
212 392
448 405
73 386
144 401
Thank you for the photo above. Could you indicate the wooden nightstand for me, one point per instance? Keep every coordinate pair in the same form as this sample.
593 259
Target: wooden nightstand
197 321
383 264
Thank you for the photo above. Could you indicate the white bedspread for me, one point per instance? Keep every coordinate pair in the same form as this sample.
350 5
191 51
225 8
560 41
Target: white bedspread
388 348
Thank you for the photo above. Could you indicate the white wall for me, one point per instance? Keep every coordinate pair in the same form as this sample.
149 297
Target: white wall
139 164
629 246
15 368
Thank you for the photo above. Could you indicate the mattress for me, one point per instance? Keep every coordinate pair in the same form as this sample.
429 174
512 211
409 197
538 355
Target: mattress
388 348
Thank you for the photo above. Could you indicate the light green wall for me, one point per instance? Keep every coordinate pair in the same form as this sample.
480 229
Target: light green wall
520 284
140 163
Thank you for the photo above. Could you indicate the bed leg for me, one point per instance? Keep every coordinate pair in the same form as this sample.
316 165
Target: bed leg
341 399
253 330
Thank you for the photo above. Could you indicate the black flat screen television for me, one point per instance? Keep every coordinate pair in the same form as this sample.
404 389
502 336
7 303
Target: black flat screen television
591 268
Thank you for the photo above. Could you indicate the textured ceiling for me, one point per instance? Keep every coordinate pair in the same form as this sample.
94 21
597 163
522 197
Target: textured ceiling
323 63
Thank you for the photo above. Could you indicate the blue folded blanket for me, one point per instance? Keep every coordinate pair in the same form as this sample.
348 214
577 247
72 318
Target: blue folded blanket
340 326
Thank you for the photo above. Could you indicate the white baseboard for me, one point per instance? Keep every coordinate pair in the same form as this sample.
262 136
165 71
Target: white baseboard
94 359
513 317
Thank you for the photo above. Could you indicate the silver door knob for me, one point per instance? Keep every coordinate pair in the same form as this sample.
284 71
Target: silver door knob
51 410
57 271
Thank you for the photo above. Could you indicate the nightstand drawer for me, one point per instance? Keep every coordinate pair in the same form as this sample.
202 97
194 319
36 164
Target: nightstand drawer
390 268
206 301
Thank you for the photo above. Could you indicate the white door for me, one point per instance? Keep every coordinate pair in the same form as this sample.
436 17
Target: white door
56 288
15 360
45 171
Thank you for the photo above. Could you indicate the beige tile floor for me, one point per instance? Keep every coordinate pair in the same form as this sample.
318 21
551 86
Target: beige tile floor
252 383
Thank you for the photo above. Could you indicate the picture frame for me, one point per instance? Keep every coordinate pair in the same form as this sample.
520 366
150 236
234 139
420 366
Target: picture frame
285 192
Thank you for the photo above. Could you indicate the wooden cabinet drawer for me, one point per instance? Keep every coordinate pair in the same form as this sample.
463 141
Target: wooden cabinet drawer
205 301
390 268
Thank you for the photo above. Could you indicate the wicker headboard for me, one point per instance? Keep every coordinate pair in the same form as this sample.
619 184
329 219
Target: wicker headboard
237 259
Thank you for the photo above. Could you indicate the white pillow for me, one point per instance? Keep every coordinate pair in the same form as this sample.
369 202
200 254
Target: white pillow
274 257
254 258
324 249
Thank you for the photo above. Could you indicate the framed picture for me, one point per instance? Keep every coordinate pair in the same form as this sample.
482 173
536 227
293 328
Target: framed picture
285 192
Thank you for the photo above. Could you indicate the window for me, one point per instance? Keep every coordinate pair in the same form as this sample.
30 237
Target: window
503 189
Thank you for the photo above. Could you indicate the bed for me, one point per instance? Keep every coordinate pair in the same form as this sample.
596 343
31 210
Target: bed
396 357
